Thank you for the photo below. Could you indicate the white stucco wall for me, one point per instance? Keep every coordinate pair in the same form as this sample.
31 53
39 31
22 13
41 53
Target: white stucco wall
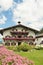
19 28
31 33
38 40
6 32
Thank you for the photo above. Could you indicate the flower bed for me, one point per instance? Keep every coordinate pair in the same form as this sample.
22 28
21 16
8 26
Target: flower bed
8 57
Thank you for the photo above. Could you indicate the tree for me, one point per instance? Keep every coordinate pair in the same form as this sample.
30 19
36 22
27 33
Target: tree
41 31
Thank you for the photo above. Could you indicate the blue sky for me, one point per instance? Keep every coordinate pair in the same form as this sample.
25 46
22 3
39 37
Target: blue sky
29 12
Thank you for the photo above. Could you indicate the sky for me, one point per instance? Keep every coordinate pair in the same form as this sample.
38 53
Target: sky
29 12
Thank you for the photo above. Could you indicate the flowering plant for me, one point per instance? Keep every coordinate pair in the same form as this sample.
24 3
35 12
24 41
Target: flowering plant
8 57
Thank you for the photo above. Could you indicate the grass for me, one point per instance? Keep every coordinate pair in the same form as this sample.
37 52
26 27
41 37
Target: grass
35 55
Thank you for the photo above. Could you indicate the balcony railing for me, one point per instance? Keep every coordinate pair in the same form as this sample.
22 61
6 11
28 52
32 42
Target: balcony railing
13 38
19 32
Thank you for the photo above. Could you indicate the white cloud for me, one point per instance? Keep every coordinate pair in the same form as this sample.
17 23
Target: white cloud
1 36
5 4
3 19
1 28
29 11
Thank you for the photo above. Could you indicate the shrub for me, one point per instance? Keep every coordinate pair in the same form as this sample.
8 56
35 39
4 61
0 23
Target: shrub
37 47
24 47
41 46
14 48
10 47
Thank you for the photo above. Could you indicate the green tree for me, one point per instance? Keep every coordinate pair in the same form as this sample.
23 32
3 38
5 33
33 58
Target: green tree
41 31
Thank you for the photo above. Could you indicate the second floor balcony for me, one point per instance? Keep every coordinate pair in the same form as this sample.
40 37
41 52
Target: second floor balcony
24 38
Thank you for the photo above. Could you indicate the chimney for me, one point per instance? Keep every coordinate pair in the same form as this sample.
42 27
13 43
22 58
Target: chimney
19 22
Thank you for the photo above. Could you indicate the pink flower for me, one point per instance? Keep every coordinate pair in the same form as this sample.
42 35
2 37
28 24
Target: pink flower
9 57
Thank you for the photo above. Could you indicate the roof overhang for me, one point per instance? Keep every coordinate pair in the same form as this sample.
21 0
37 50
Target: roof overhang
36 31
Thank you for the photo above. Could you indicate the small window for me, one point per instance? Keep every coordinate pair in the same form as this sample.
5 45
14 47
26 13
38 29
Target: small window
8 44
16 29
19 36
31 43
30 36
7 36
41 42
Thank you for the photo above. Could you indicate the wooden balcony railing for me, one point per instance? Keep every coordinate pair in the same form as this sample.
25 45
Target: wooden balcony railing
19 32
13 38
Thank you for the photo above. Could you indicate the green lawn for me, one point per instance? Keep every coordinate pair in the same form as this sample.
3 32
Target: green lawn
35 55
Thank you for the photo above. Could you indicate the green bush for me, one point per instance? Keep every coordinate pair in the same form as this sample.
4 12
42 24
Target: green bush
10 47
39 47
24 47
14 48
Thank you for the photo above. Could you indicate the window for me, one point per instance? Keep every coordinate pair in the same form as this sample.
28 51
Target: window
8 44
41 42
30 36
19 36
16 29
7 36
31 43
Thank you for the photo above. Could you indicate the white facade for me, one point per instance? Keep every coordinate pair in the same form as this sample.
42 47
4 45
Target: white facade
39 38
7 32
31 32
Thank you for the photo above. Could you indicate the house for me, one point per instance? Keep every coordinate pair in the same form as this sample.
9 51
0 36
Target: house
1 40
39 38
18 34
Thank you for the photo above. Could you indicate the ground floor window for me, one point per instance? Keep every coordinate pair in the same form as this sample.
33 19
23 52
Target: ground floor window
8 44
30 43
13 44
19 43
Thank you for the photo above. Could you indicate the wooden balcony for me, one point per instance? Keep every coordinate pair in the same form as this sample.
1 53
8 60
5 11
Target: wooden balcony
19 32
13 38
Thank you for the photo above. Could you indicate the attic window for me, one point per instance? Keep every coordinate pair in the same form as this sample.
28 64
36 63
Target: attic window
7 36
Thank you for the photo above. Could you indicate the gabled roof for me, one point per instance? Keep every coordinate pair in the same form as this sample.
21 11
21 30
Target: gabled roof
20 25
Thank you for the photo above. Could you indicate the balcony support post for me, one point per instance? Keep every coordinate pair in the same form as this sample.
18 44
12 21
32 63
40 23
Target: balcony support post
10 43
16 43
